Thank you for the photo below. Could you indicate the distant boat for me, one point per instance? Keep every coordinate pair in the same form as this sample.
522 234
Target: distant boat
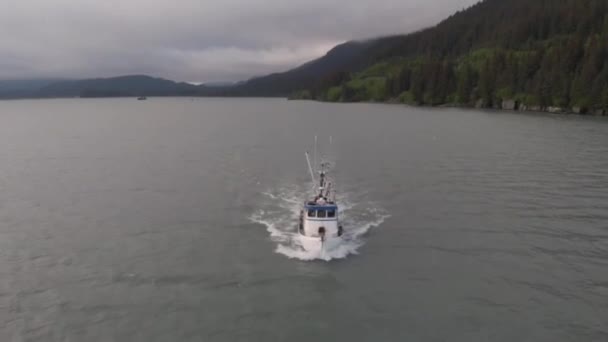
142 98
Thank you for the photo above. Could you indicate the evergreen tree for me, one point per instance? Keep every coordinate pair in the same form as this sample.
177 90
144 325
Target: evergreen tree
465 84
486 84
417 87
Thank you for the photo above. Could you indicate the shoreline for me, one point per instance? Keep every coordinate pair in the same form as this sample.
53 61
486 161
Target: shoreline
527 109
510 109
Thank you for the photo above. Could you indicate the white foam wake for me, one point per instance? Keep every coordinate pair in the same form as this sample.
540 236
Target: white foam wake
279 211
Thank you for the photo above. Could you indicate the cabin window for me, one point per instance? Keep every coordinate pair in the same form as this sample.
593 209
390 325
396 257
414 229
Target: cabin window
312 213
331 213
321 213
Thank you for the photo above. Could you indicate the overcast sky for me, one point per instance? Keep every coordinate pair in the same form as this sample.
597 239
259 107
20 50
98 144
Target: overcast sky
193 40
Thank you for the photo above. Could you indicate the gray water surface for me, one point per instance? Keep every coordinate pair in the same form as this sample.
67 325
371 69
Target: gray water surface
124 220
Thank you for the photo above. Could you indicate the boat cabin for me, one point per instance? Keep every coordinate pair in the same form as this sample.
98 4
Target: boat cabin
320 220
321 212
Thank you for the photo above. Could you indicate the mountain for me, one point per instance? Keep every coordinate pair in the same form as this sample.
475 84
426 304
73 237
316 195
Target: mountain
513 54
346 57
219 84
135 85
22 88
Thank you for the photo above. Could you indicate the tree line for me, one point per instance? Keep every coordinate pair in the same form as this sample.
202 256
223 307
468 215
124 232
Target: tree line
543 54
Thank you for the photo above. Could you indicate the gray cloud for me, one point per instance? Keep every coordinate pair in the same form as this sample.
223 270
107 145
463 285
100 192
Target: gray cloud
193 40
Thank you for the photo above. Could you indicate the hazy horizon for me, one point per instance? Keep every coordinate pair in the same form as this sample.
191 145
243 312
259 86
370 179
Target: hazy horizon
190 41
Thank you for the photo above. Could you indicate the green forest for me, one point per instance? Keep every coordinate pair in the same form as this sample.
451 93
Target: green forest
548 55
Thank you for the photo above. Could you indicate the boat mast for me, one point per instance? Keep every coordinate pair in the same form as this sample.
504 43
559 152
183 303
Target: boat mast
323 184
322 180
324 188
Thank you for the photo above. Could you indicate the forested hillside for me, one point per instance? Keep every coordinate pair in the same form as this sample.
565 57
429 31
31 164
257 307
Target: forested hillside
515 54
349 56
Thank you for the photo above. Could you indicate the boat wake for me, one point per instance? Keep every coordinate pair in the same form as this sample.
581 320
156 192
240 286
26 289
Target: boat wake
279 212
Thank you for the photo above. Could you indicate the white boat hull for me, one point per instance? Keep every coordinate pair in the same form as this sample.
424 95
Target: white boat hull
318 245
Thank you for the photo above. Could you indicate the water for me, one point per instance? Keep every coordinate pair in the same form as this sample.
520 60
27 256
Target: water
171 220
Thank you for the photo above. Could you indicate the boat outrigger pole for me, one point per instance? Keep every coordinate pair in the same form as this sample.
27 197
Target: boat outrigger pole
312 173
314 159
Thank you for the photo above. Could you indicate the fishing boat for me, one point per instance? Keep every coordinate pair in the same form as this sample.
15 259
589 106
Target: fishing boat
142 98
319 225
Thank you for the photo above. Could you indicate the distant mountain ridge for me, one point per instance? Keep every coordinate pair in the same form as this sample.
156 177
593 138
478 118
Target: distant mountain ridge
23 88
120 86
346 57
132 85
